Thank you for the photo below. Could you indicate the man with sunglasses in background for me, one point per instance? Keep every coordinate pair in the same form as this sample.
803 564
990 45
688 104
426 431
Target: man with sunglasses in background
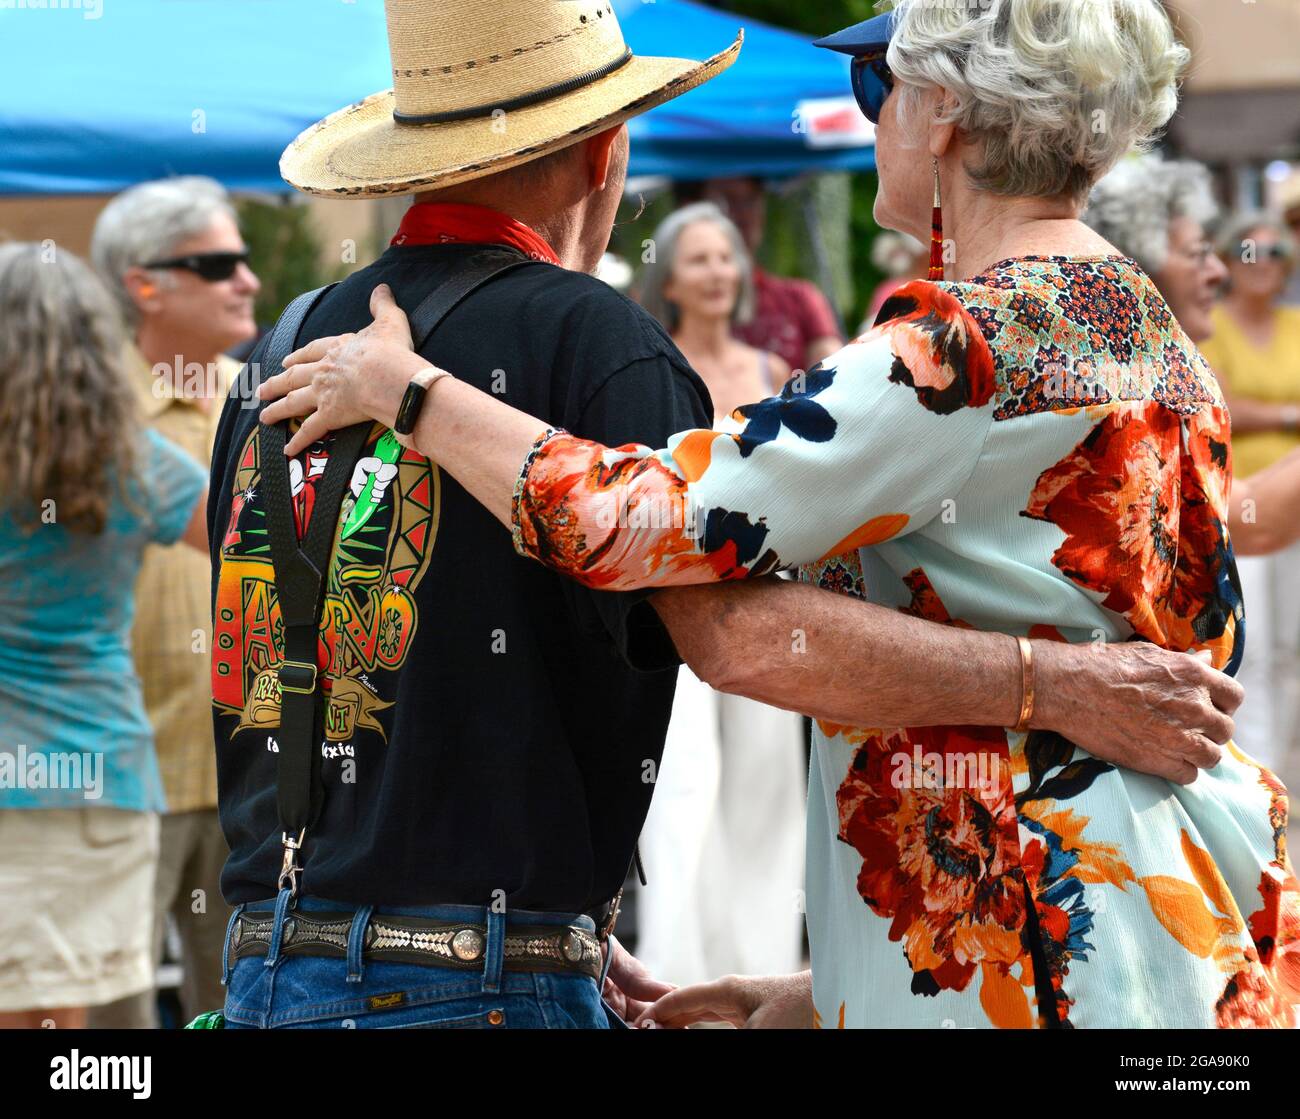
173 257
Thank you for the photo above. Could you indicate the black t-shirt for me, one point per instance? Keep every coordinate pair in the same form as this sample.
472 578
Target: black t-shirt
492 729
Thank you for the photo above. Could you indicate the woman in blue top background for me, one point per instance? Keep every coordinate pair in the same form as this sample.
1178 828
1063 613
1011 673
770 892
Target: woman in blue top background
87 488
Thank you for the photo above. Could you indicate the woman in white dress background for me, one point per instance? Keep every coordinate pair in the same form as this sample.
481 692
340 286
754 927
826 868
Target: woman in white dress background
723 845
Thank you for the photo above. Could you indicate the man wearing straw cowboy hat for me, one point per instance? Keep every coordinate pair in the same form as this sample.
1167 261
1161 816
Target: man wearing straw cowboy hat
434 756
479 736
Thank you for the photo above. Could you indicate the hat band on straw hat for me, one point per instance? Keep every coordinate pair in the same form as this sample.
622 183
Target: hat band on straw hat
561 68
520 102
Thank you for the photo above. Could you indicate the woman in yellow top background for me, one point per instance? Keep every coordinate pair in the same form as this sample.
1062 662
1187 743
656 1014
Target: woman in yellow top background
1255 350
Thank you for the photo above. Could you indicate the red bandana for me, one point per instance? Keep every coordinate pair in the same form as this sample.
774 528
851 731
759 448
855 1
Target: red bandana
438 223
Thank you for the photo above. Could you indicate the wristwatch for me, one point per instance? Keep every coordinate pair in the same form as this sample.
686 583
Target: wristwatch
408 412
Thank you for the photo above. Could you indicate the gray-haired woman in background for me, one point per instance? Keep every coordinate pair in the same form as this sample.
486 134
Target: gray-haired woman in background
699 283
1157 212
723 843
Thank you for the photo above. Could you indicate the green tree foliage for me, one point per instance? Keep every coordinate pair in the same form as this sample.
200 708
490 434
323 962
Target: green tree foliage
285 252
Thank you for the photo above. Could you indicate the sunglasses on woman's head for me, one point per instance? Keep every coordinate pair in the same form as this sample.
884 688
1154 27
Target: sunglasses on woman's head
872 83
211 267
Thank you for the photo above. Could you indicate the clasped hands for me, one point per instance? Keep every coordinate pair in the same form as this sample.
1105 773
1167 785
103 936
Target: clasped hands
744 1001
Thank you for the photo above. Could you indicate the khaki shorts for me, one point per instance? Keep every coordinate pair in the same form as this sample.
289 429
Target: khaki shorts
76 906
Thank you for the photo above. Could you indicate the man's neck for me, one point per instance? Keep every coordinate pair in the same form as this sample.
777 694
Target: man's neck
190 369
560 228
562 232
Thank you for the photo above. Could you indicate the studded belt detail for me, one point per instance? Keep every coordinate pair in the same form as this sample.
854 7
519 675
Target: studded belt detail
419 940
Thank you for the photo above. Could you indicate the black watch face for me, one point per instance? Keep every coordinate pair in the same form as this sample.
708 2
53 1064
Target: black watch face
409 412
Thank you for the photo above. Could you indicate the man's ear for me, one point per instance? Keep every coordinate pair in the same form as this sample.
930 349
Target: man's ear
142 288
600 156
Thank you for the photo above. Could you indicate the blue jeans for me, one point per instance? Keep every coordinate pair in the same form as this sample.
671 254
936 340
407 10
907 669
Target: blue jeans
318 992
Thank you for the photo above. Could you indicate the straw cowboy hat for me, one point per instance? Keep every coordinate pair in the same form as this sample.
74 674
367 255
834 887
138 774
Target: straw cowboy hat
482 85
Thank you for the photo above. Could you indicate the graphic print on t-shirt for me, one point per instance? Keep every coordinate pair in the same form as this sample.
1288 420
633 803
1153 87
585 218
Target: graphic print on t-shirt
387 525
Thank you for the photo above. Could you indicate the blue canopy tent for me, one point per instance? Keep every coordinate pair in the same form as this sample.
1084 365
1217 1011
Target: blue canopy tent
783 109
98 94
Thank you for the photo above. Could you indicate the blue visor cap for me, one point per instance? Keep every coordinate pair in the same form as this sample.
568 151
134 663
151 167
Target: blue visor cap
869 73
867 37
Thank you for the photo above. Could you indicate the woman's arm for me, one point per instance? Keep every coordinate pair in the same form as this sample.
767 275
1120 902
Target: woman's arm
830 465
1264 509
196 530
1251 415
867 448
844 660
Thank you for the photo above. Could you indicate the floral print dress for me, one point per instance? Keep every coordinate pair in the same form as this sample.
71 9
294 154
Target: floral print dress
1041 451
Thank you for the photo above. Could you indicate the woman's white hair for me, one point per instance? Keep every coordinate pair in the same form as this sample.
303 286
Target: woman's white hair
1134 205
659 269
1057 91
147 222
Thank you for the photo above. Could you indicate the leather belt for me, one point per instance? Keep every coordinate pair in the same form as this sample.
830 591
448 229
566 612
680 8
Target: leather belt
420 940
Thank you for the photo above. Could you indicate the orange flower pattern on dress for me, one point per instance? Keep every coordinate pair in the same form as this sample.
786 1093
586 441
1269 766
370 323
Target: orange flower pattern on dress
932 815
1168 567
633 517
939 350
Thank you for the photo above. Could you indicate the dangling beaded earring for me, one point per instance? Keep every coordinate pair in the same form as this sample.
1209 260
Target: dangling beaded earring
936 231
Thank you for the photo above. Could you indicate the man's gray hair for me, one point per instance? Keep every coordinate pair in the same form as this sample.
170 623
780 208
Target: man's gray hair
147 222
1134 205
659 269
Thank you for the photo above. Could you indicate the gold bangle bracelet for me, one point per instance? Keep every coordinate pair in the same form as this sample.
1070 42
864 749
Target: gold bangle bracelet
1026 684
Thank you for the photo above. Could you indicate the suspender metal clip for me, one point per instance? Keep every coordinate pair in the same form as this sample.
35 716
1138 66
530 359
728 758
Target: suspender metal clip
290 869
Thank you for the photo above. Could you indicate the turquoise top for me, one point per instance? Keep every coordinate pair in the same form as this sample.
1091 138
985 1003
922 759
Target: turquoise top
73 730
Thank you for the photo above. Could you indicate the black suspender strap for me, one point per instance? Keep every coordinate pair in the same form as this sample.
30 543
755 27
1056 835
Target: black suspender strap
299 585
485 264
301 570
